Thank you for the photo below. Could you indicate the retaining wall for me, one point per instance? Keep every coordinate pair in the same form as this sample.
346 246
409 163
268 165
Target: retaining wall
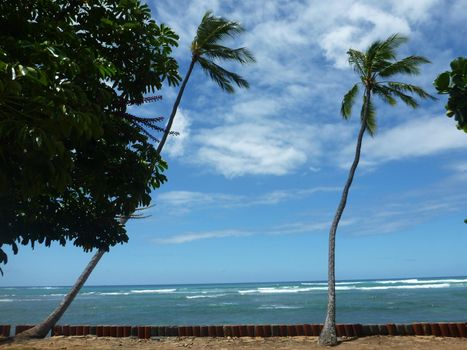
349 330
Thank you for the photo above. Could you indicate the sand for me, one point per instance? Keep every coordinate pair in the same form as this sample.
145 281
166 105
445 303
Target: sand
244 343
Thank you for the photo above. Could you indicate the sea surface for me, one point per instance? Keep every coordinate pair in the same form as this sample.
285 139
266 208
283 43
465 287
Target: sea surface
366 301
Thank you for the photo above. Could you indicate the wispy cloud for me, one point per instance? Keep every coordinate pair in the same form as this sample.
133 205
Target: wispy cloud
408 209
375 216
287 229
190 199
196 236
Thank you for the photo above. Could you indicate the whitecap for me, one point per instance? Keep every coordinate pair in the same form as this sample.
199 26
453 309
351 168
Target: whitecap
88 293
415 286
278 307
248 291
152 291
204 296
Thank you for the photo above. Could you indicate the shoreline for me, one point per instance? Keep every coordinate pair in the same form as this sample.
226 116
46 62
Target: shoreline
240 343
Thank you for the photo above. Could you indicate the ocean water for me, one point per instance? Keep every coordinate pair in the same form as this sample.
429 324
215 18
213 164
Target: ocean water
376 301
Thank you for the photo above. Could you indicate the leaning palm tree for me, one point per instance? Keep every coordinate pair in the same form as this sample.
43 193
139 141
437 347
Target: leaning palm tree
374 67
206 49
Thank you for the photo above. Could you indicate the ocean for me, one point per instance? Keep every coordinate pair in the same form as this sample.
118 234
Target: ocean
365 301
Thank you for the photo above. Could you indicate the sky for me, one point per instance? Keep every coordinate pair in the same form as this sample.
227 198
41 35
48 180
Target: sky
255 177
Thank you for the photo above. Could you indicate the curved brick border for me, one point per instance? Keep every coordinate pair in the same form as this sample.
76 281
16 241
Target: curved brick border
445 329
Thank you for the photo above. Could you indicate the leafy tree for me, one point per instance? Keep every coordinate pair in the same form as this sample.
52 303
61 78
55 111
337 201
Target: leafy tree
454 83
72 160
375 67
205 48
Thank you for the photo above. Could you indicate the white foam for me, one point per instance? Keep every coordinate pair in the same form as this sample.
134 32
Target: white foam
114 293
415 286
412 280
248 291
273 290
153 291
6 300
278 307
418 281
204 296
400 281
325 283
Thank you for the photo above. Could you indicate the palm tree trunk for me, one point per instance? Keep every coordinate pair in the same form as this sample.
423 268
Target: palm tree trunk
175 106
42 329
328 334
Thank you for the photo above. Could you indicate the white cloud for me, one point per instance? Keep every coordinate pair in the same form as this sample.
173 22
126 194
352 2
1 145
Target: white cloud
415 11
175 145
190 199
386 215
265 148
416 138
361 25
404 211
195 236
281 125
249 149
295 228
460 167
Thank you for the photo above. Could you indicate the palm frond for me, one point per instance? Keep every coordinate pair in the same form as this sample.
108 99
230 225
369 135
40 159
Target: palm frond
221 76
241 55
213 29
380 53
348 101
407 99
357 60
371 53
385 94
404 87
387 49
368 116
408 65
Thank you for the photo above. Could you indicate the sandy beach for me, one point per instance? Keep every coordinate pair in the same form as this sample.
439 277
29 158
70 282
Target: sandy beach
244 343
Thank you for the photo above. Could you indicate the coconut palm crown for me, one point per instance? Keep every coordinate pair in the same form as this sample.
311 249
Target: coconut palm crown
208 51
375 67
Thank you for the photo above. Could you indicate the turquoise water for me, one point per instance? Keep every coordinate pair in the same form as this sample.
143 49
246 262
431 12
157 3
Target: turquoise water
377 301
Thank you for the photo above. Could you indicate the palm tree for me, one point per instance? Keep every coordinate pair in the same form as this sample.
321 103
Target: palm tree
374 67
206 49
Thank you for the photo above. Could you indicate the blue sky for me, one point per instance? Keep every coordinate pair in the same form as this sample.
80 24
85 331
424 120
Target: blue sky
255 177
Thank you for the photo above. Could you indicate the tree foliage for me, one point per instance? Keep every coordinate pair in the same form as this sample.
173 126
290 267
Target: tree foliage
72 160
454 83
375 67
